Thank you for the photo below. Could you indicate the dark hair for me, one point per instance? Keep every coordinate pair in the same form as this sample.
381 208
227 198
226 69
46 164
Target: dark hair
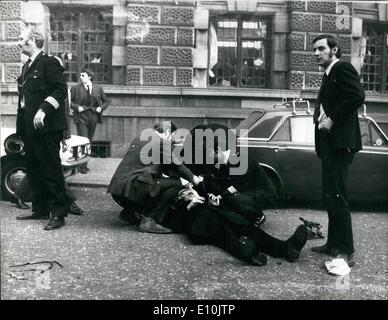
89 72
163 126
331 42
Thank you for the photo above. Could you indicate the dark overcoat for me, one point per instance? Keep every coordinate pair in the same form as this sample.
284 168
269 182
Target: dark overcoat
42 83
136 179
341 95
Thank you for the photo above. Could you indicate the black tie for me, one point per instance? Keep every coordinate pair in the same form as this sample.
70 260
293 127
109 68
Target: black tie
25 68
321 89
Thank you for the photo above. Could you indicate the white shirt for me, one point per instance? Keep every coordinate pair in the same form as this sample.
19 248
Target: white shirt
33 57
322 114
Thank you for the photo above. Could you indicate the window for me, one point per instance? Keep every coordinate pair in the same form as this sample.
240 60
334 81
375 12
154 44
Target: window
374 71
82 38
370 135
239 51
296 129
265 126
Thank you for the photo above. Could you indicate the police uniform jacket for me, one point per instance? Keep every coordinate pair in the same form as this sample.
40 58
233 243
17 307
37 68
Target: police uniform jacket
41 86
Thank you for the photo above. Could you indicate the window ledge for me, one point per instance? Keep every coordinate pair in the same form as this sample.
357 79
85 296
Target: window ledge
369 96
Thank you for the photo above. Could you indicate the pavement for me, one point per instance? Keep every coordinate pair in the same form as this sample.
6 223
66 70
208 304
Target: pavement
100 174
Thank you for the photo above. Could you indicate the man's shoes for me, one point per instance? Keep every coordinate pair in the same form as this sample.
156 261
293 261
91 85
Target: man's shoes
333 252
350 260
34 216
55 223
321 249
250 253
296 242
75 209
260 221
148 224
21 204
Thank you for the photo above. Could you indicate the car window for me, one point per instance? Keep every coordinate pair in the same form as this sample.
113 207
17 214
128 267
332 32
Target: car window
302 130
370 135
265 126
284 132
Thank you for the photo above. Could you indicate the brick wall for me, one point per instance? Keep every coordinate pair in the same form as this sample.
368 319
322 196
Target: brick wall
159 41
10 25
308 19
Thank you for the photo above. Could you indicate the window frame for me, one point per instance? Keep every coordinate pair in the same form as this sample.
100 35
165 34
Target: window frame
376 25
268 18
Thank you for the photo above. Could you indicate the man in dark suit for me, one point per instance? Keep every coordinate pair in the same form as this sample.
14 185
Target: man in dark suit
40 124
138 185
88 101
337 139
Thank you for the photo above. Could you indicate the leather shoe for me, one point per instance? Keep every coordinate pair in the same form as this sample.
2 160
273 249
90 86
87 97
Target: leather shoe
148 224
34 216
21 204
333 252
349 258
321 249
75 209
55 223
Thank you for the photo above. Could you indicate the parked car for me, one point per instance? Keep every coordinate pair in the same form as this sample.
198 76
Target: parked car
13 163
282 141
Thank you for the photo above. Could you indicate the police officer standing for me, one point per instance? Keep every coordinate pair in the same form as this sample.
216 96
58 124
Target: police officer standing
40 123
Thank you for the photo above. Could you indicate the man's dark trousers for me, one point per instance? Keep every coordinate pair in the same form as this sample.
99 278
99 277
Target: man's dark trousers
87 124
335 171
44 170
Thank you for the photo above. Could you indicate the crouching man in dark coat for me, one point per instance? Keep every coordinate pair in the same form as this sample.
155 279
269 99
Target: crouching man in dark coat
138 185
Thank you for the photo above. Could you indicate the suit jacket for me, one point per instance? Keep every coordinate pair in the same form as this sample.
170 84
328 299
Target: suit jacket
340 96
42 84
135 179
254 189
79 98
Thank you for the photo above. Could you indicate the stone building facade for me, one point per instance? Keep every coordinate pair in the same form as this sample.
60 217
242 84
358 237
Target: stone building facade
194 61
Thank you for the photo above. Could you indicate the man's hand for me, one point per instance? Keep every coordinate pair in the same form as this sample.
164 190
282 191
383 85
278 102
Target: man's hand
214 200
195 202
98 109
65 144
326 124
197 180
39 119
80 109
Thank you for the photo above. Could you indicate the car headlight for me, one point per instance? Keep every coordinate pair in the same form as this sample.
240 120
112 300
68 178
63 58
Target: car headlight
79 152
88 149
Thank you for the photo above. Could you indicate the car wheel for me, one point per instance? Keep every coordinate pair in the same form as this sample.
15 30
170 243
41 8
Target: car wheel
13 170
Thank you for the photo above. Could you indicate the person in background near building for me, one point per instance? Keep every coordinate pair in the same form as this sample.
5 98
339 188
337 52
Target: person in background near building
40 124
337 139
88 101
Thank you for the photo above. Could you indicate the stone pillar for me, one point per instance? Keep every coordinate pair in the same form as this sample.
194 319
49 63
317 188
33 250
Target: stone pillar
308 20
159 43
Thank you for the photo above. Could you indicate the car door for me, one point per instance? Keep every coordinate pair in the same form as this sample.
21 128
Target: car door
368 176
298 165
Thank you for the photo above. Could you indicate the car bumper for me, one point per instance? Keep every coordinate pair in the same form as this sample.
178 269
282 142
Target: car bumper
73 167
